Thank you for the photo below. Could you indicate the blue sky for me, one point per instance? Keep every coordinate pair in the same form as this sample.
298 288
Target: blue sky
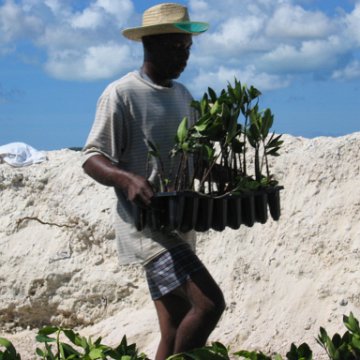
57 56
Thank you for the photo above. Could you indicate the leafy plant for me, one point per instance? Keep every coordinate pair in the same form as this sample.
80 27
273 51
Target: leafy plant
260 124
227 125
303 352
85 349
253 355
154 153
184 146
10 352
346 347
216 351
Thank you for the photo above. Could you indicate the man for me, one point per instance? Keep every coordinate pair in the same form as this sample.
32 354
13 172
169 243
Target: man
148 105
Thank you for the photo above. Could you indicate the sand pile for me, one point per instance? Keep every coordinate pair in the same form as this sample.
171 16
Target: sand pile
282 280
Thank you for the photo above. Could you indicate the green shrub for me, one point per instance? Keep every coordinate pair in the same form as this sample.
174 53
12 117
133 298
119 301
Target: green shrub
345 347
10 352
85 349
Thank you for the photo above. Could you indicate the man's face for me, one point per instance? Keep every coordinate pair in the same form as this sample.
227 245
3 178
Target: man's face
170 53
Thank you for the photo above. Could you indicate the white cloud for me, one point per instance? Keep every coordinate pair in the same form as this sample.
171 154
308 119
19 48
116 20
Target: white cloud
235 35
101 12
90 18
15 23
351 71
352 23
294 22
97 62
216 12
267 41
309 56
275 36
54 5
250 76
80 43
121 10
198 6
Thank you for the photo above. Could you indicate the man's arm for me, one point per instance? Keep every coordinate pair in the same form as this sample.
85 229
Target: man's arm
106 173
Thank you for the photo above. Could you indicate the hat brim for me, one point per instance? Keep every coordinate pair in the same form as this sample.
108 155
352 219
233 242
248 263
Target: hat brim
185 27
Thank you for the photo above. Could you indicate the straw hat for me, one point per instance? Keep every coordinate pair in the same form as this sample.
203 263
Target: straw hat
165 18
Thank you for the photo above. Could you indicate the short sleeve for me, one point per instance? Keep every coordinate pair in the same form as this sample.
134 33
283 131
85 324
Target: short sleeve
109 134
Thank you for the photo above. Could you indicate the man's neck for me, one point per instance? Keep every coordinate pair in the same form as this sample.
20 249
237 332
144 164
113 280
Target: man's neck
151 72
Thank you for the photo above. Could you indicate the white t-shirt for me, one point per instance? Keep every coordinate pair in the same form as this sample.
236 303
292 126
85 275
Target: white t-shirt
129 111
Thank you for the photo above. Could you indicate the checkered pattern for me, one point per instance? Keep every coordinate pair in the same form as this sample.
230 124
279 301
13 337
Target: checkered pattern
171 269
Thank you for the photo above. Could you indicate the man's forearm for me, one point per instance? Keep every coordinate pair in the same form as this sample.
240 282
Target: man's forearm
106 173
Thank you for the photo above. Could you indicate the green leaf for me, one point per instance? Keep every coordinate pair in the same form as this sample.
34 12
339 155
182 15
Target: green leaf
6 343
49 354
305 351
153 149
48 330
70 334
253 355
69 350
267 121
40 352
215 108
182 130
44 339
61 350
274 141
96 354
212 95
204 104
185 146
232 93
10 352
273 152
210 152
246 354
355 342
253 93
351 323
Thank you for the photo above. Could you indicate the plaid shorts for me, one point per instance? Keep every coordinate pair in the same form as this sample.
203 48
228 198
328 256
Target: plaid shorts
171 269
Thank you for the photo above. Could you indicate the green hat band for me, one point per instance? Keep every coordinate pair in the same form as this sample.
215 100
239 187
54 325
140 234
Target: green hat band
192 27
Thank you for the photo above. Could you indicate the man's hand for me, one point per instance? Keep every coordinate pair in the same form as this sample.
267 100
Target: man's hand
137 188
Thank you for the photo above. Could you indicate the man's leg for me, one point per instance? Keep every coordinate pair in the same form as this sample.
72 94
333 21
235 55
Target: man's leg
207 306
186 322
171 309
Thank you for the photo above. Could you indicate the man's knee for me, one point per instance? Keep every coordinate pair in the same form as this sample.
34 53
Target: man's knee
213 307
168 336
219 304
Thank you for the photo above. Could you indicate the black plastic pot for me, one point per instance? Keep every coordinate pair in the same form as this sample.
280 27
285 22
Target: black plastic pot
234 217
188 210
261 206
157 215
273 195
204 214
248 209
139 217
187 221
173 210
219 214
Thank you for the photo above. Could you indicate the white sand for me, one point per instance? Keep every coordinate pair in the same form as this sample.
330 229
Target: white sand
282 280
